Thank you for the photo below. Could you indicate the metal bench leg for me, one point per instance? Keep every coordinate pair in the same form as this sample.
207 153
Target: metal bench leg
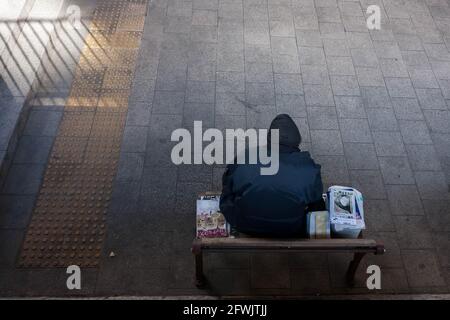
353 267
200 280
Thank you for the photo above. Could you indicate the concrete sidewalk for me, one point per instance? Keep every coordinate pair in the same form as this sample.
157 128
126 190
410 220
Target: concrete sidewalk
373 108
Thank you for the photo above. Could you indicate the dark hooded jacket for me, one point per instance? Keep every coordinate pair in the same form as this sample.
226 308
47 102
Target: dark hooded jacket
273 205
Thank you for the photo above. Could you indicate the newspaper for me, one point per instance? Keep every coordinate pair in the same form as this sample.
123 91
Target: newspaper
346 207
210 221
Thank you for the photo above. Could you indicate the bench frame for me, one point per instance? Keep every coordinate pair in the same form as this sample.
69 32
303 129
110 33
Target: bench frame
359 247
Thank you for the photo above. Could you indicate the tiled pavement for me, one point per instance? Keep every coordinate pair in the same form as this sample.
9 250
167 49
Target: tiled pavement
373 108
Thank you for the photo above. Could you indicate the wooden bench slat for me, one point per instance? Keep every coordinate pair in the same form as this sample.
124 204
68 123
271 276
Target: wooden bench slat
354 245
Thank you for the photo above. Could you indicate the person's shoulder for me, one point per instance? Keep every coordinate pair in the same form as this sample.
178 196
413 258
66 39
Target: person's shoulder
305 159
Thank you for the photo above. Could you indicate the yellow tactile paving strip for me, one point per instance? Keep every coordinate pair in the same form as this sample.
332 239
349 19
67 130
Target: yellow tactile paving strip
68 221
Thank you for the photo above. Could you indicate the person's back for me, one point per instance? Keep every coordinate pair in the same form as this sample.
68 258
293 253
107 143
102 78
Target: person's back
273 205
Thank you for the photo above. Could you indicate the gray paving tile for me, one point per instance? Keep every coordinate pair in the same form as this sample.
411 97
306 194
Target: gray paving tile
377 216
423 157
308 38
371 77
224 122
200 91
258 72
168 102
204 17
331 30
361 156
231 10
139 114
413 232
15 212
443 248
431 99
415 132
23 179
364 58
286 64
315 74
359 40
124 201
350 107
177 24
375 97
328 14
369 183
334 170
282 28
437 51
396 170
305 21
204 34
9 247
382 120
438 120
436 212
407 109
260 93
340 66
335 47
311 56
445 87
130 166
355 130
180 9
43 123
288 84
198 112
230 82
422 268
404 200
432 185
206 4
417 59
409 42
356 24
387 50
441 143
258 54
318 95
294 105
326 142
422 78
230 103
393 68
230 61
134 139
303 127
323 118
261 117
400 87
345 85
388 143
256 33
33 150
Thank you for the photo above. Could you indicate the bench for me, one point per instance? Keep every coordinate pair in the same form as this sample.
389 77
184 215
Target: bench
359 247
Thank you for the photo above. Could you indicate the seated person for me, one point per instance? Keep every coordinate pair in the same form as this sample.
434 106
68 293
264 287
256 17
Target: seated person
274 205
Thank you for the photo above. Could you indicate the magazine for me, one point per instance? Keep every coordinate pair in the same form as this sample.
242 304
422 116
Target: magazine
211 222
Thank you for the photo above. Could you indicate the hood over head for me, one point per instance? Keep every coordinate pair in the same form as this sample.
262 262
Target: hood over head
288 131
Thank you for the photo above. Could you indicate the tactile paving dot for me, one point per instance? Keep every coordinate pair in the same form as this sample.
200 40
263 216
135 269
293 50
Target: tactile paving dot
69 218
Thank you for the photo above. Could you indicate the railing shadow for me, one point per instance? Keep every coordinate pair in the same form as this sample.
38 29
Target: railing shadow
42 55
